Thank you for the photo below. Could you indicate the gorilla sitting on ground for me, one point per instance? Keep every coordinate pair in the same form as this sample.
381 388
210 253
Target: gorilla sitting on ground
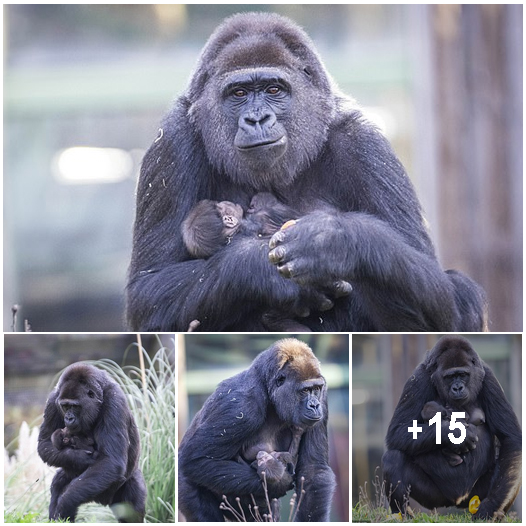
261 114
453 375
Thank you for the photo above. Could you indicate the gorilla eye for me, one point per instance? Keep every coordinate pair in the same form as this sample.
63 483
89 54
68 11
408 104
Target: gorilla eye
240 93
280 380
91 394
273 90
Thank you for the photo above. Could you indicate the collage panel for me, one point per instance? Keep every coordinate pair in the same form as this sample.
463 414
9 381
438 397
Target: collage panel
263 427
436 427
89 427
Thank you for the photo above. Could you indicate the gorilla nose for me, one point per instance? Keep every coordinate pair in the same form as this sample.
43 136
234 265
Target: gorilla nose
254 119
458 391
313 404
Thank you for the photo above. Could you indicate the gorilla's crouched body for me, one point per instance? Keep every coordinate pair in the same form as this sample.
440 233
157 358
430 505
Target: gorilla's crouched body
272 419
89 406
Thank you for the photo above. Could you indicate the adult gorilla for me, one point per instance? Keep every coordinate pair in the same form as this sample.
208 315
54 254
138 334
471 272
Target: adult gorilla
89 403
277 408
453 375
262 115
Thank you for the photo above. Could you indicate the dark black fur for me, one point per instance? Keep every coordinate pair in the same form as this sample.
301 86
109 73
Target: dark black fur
62 438
361 221
89 403
211 225
453 375
260 409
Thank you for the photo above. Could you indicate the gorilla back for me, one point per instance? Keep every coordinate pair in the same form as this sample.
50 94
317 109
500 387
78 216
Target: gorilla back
261 114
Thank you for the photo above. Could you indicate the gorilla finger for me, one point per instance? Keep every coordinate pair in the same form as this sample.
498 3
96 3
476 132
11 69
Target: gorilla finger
341 288
302 312
276 239
277 255
323 302
326 304
285 270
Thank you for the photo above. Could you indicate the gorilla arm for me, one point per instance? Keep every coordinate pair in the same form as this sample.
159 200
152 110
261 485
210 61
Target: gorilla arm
377 240
404 288
313 467
75 460
502 421
218 292
210 450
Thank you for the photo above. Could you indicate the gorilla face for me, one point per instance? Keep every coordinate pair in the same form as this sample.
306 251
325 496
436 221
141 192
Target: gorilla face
298 401
79 403
262 104
459 374
456 382
231 216
310 408
258 100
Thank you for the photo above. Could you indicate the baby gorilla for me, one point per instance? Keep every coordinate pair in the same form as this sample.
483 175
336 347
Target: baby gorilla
475 417
62 438
210 226
278 467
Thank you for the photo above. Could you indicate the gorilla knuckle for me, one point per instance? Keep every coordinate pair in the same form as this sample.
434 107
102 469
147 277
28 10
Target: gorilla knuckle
276 239
277 255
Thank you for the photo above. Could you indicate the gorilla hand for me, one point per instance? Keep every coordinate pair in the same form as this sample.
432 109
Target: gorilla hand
469 443
309 252
487 510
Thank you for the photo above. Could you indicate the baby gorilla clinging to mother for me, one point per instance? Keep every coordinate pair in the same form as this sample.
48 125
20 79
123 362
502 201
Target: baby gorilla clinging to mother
211 225
62 438
475 416
278 466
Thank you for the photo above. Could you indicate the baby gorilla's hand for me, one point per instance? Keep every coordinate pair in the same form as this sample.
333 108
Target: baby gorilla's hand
278 470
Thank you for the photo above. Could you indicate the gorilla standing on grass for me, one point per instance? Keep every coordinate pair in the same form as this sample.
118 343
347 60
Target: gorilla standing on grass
262 115
91 405
270 418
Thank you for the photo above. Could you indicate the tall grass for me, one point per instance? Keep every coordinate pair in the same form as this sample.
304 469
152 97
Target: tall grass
151 396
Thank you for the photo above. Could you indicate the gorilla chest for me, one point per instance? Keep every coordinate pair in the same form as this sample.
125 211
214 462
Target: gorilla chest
268 438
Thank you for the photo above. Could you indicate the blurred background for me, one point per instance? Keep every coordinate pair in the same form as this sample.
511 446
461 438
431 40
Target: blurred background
382 364
207 359
85 87
32 362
